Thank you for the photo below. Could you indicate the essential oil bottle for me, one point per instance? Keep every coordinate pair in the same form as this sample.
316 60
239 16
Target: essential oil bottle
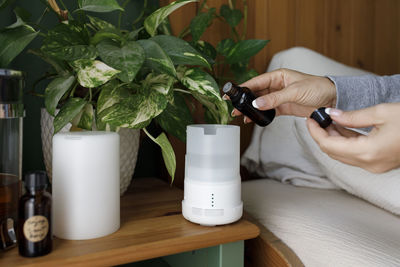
34 217
242 99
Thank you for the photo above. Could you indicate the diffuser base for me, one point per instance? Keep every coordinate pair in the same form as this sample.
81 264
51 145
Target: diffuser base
211 217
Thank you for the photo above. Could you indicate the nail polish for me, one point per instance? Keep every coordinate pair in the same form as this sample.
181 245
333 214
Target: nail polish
242 99
333 111
254 103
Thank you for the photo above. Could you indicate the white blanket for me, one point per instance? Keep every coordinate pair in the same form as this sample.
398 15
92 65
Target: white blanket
285 151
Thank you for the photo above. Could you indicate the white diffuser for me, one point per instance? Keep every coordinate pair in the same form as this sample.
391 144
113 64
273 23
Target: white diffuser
212 193
86 199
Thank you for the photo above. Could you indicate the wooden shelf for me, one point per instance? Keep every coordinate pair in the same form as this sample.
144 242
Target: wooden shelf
151 226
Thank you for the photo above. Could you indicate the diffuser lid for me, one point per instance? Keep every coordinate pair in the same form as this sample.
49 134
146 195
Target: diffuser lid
213 139
212 152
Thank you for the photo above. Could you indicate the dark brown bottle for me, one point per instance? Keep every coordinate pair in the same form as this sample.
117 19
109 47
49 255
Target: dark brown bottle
242 99
34 220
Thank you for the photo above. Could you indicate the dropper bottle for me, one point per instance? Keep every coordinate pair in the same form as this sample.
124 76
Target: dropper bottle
242 99
35 235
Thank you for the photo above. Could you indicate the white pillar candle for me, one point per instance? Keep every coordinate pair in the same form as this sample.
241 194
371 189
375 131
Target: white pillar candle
86 199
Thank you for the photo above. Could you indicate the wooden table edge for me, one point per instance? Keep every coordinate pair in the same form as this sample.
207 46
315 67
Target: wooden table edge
125 255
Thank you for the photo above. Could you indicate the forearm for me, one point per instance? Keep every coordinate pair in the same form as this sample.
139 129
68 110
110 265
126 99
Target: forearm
357 92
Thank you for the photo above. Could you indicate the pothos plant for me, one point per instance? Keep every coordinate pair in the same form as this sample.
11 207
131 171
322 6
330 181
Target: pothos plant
105 78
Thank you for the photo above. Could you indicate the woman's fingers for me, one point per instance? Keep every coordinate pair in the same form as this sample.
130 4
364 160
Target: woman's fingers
337 146
274 79
356 119
275 99
338 130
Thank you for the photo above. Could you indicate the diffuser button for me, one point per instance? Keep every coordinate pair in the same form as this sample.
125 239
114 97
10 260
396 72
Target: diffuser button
215 212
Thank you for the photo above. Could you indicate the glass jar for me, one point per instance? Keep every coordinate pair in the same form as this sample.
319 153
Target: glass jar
11 121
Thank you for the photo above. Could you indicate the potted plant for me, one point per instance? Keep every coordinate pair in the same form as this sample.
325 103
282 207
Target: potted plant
107 78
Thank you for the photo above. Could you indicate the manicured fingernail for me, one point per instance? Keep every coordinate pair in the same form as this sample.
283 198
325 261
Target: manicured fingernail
333 111
233 113
225 97
245 120
259 102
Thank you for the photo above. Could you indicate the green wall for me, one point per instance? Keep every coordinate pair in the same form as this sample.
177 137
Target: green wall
34 67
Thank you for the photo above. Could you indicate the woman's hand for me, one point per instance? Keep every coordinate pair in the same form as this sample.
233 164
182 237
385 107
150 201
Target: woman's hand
291 92
377 152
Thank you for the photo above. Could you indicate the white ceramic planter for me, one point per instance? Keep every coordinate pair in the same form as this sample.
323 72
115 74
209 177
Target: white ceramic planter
129 147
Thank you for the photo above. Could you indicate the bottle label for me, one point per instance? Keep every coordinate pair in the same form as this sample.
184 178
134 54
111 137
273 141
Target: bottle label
36 228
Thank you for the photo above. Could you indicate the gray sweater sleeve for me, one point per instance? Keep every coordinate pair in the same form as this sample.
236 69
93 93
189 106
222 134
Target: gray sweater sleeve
357 92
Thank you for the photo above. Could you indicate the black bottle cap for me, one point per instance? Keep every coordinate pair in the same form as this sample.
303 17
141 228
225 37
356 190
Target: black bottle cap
36 179
230 89
320 116
11 86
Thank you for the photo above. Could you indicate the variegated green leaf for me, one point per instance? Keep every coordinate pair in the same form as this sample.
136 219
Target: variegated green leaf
100 24
101 126
217 109
134 34
225 46
68 42
86 118
68 112
180 72
180 51
93 73
200 23
13 41
112 93
18 23
152 22
200 82
223 112
207 50
162 83
156 58
55 90
128 58
75 52
167 152
23 13
204 88
100 5
244 50
59 66
176 117
106 34
136 111
73 33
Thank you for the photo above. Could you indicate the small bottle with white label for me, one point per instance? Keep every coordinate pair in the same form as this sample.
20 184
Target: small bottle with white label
34 220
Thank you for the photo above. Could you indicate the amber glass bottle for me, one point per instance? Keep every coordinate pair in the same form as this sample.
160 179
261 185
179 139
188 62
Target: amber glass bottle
34 220
242 99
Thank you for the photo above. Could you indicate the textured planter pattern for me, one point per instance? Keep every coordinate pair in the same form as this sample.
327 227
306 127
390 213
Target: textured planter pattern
129 147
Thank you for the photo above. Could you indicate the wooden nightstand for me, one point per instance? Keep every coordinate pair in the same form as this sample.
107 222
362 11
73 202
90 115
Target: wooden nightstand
152 226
